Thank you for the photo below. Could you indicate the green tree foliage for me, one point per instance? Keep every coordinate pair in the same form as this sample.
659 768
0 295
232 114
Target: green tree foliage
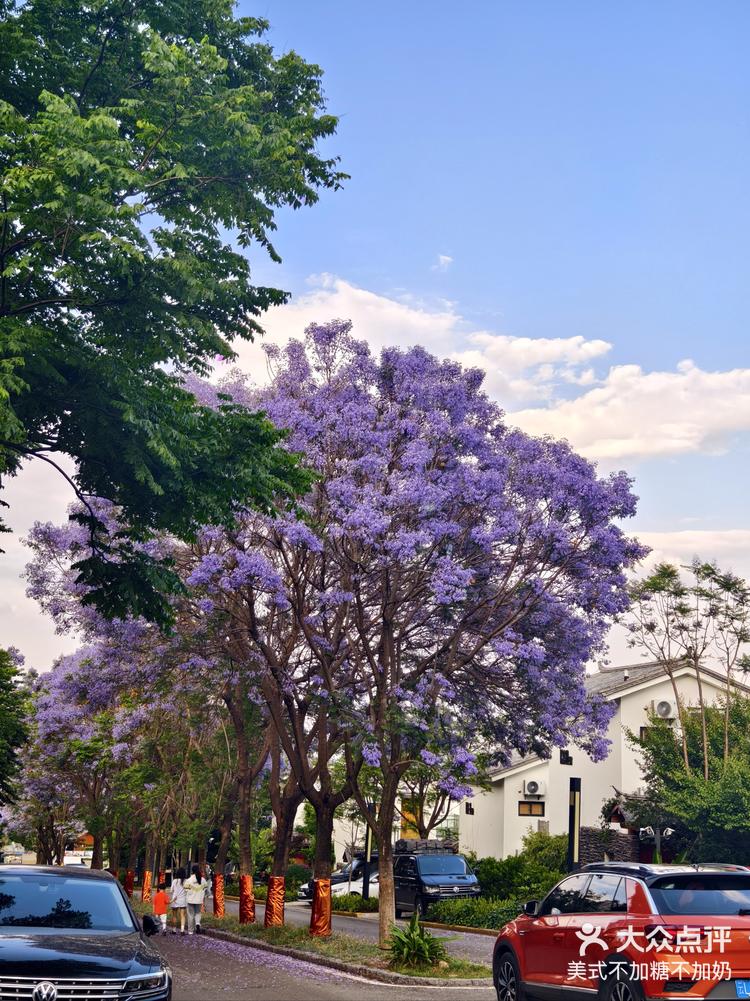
136 139
714 811
695 615
13 731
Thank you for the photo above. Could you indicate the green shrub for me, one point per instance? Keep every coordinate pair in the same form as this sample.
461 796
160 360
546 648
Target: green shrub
499 877
354 902
530 874
415 947
480 913
297 874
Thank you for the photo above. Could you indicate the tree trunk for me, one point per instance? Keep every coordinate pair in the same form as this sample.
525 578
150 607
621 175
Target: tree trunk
323 841
284 803
247 772
727 700
680 715
148 856
386 890
133 848
284 831
320 917
383 833
97 856
245 809
225 840
704 726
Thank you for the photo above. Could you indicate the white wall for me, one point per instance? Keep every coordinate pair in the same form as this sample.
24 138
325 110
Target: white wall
483 832
497 830
635 706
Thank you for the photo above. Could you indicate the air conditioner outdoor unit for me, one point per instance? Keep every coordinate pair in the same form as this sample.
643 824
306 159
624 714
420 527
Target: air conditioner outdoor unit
534 787
664 708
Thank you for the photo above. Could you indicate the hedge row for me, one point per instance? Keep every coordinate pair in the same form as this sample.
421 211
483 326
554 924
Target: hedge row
483 912
353 902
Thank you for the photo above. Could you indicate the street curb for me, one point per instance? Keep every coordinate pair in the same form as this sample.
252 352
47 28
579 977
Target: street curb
467 928
259 900
367 972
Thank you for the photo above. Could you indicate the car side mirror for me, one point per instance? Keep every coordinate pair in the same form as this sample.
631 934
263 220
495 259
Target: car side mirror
531 907
150 925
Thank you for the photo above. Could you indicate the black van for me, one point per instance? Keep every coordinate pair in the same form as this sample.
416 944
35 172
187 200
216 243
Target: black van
423 877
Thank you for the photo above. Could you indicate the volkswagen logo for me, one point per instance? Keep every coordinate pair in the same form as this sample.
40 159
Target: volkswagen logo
44 992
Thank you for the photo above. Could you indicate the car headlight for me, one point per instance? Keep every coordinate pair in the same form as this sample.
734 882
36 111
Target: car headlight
145 985
432 889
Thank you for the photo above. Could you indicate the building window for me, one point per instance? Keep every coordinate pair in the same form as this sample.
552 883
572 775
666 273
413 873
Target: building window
470 809
527 808
566 758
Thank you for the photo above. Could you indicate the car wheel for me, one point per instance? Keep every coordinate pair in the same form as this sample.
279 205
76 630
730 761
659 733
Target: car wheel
619 987
507 979
421 907
399 912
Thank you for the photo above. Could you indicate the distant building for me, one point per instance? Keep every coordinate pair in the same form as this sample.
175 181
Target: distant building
532 793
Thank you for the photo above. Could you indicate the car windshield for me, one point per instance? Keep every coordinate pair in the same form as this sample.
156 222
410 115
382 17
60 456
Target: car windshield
39 900
702 893
443 865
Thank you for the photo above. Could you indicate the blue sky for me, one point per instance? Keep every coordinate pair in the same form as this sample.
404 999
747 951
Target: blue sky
585 164
556 191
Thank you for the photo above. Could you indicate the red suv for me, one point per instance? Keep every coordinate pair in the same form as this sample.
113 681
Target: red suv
628 932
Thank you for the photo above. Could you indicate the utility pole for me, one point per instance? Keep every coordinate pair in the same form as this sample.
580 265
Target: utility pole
368 857
574 826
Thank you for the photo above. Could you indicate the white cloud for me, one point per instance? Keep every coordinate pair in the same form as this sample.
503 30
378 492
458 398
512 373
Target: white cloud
519 369
729 548
38 493
443 263
637 414
625 415
529 367
380 320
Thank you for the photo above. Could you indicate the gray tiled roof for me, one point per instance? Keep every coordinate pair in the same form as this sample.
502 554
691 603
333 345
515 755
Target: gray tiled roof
608 682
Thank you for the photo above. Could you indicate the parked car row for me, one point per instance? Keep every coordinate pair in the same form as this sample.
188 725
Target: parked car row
613 931
420 879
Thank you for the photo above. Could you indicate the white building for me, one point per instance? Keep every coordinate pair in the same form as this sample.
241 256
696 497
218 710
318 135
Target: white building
533 793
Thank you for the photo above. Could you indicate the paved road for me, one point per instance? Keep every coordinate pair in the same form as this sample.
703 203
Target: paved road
207 969
477 948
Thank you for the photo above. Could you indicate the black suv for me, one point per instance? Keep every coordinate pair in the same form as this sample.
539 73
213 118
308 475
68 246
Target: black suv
73 930
421 878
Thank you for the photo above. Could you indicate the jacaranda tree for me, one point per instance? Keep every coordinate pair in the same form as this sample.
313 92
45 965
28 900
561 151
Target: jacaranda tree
443 563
